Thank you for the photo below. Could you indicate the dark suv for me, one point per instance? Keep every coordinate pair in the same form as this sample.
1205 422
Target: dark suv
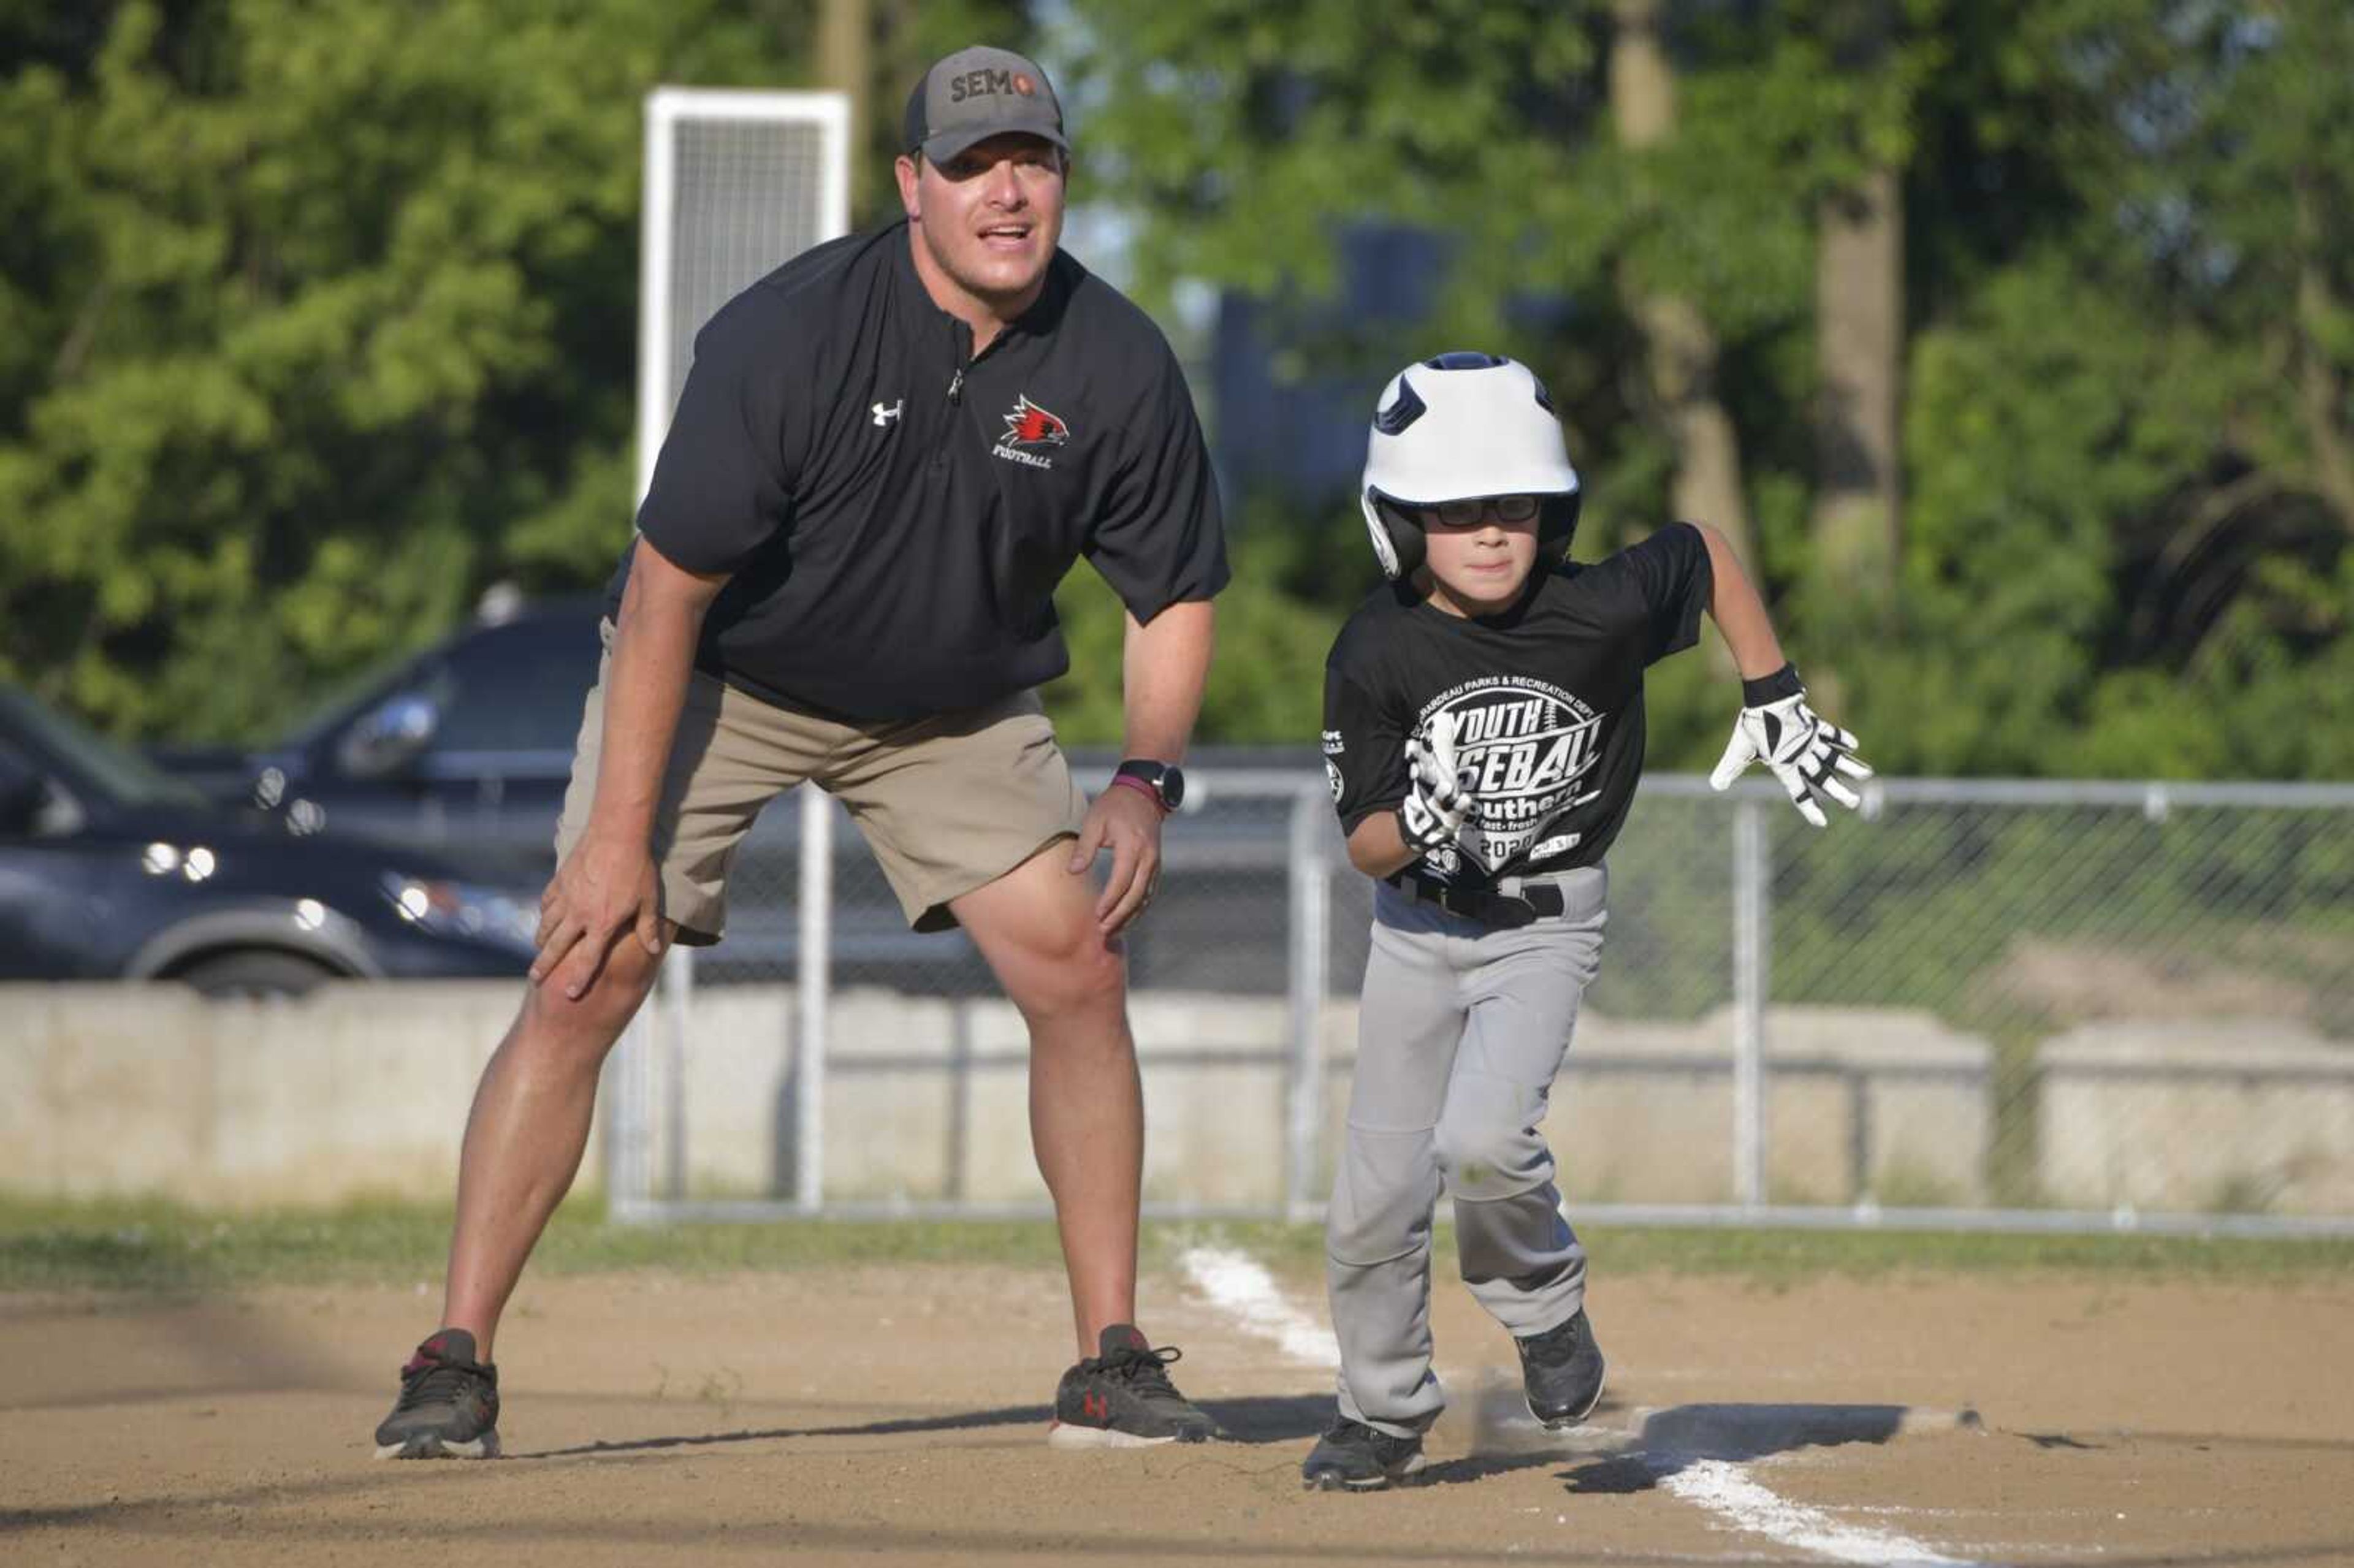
466 746
110 869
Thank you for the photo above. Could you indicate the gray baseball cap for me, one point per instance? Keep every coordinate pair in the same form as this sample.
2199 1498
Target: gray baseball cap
977 93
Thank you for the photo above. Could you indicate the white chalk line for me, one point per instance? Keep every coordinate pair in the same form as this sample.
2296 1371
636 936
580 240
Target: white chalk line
1239 1286
1727 1490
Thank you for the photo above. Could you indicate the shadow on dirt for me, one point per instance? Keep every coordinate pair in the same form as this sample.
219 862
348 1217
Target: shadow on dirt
1666 1442
1268 1419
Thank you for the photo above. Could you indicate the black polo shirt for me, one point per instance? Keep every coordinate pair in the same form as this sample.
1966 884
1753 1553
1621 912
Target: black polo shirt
896 513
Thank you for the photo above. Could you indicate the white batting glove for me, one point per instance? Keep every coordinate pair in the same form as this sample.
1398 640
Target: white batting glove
1805 751
1433 811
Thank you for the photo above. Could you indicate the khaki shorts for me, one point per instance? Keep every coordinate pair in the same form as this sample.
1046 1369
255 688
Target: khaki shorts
948 803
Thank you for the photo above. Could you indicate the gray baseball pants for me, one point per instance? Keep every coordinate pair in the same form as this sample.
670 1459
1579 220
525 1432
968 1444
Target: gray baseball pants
1462 1030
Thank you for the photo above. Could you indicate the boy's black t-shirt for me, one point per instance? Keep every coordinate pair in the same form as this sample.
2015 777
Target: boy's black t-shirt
1547 699
897 511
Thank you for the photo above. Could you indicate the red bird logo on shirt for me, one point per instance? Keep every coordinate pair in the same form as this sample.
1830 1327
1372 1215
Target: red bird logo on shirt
1031 426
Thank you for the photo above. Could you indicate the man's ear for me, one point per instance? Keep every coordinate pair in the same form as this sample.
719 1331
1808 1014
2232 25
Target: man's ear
908 168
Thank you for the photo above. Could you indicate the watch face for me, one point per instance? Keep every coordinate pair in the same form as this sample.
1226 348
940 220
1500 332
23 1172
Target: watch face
1167 783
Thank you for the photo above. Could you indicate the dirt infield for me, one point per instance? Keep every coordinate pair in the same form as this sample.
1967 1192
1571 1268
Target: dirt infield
897 1415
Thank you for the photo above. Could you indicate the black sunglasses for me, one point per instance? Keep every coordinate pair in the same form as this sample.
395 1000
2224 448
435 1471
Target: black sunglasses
1468 513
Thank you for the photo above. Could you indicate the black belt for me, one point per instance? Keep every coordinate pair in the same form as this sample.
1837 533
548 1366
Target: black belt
1534 901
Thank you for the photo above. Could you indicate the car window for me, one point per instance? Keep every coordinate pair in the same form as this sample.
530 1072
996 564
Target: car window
37 813
89 761
352 694
517 688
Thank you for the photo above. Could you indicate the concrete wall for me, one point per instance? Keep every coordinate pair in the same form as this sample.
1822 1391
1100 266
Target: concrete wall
2201 1114
1858 1101
364 1090
151 1089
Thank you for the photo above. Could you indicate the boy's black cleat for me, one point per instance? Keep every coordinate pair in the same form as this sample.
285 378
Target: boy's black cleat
449 1405
1561 1372
1122 1398
1355 1458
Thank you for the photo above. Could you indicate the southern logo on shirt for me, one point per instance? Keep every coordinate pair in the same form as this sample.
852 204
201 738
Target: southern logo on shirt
1028 425
1523 746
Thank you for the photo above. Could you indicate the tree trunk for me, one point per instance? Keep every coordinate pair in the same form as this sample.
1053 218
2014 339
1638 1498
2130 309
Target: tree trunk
845 64
1860 327
1680 349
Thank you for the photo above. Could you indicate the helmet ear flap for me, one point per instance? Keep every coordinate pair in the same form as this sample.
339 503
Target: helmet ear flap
1397 535
1556 522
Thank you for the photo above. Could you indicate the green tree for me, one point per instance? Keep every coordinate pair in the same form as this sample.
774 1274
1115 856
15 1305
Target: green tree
319 317
327 322
2124 357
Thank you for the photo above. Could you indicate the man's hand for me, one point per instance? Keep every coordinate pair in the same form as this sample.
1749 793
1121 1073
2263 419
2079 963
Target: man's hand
1128 823
605 887
1433 811
1803 751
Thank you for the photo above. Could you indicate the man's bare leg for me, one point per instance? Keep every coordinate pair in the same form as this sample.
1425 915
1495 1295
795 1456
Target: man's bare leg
528 1129
1036 926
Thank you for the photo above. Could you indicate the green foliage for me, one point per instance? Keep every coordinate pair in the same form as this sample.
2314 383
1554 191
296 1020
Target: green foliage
322 318
2126 233
317 318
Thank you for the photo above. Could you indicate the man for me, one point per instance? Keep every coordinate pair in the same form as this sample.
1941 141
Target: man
886 455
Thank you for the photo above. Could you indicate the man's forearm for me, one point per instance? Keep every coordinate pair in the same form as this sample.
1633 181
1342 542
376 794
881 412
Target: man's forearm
645 689
1739 612
1165 664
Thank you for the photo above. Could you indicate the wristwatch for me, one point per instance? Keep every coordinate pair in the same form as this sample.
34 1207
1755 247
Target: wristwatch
1164 781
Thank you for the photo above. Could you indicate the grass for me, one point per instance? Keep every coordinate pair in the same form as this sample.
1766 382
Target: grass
160 1247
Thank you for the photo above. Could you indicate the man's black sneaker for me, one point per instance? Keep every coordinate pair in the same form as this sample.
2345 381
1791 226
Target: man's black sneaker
449 1405
1355 1458
1123 1399
1560 1370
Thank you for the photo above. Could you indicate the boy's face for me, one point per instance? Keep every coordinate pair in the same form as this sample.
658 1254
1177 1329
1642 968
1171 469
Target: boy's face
1478 554
989 218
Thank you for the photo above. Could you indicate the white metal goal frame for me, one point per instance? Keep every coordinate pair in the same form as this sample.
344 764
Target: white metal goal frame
736 183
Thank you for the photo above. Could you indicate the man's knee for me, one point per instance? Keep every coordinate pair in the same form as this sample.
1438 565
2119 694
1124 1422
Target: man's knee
1063 972
585 1027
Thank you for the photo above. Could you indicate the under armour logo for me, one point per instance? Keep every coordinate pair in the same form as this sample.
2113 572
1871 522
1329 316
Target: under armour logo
883 417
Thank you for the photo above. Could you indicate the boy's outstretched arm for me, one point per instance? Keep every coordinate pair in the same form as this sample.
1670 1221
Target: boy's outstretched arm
1805 755
1739 613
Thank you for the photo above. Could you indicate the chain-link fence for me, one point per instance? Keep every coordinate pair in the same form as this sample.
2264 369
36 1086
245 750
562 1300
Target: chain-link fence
2048 1004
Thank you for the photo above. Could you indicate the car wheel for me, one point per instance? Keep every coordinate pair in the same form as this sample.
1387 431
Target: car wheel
257 971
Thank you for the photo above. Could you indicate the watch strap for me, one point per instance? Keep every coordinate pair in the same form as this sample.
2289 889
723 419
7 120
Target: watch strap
1143 789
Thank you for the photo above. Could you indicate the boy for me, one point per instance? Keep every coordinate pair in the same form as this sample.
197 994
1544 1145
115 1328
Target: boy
1483 731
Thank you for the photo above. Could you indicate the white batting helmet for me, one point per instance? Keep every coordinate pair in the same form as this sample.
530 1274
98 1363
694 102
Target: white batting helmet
1463 426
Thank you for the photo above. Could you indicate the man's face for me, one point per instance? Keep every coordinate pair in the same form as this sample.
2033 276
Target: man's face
991 217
